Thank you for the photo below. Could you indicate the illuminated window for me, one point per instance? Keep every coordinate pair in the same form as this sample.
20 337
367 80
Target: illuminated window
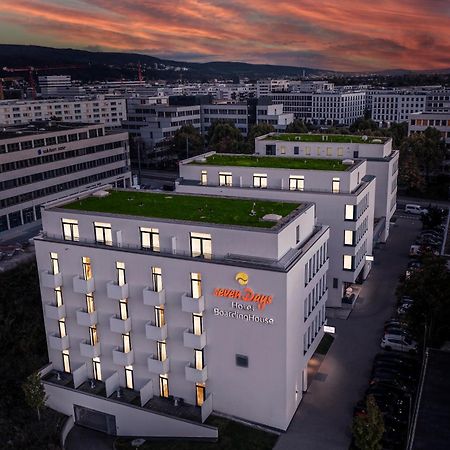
348 262
70 230
54 263
197 324
120 268
163 386
62 327
129 381
157 279
260 180
204 178
90 305
196 285
161 350
87 268
200 393
103 233
93 335
335 187
200 245
123 309
296 183
150 239
225 179
159 316
308 151
329 151
96 369
199 361
66 361
349 237
126 343
350 211
58 296
340 151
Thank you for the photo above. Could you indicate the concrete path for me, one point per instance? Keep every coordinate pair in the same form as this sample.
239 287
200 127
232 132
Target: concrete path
323 419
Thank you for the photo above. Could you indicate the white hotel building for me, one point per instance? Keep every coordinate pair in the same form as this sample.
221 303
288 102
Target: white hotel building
162 309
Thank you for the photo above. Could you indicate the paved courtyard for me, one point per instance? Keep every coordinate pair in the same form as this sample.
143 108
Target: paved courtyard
323 420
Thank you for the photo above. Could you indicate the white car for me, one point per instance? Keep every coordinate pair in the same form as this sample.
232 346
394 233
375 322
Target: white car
415 209
399 343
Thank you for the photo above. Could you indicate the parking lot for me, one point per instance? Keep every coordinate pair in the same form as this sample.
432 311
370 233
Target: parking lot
324 418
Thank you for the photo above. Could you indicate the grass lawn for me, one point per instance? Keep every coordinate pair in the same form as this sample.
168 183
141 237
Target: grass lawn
185 207
325 344
344 138
232 436
275 162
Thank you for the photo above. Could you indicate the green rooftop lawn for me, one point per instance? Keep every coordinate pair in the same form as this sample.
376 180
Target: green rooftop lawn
344 138
185 207
274 162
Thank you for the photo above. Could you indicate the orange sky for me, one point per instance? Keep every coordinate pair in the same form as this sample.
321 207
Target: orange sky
339 34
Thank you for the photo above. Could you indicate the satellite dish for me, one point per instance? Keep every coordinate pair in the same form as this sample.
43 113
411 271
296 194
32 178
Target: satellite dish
364 138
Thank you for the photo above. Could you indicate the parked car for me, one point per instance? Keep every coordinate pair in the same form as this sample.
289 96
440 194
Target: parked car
397 331
415 209
399 343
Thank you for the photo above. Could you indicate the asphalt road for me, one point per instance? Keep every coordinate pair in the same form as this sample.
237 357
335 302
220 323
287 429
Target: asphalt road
323 419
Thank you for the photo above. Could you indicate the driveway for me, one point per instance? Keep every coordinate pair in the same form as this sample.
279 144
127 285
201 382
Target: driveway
80 438
323 419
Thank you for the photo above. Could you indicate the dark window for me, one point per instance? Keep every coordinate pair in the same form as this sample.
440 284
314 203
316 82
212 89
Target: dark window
335 283
271 150
356 154
296 150
242 361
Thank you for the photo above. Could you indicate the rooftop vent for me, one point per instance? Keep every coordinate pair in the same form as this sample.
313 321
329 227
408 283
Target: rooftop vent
200 160
376 141
100 194
272 217
348 162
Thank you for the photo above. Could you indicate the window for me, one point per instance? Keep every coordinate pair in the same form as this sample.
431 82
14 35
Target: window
129 381
308 151
329 151
58 296
54 263
200 393
96 369
296 183
197 324
297 234
204 178
225 179
350 211
349 237
120 268
66 361
283 150
150 238
161 350
126 342
260 180
157 279
271 150
123 309
163 386
348 262
93 336
335 187
199 361
242 361
196 285
70 230
90 305
296 150
340 151
159 316
201 245
103 233
87 268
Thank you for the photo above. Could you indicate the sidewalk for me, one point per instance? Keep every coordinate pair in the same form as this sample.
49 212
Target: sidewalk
323 420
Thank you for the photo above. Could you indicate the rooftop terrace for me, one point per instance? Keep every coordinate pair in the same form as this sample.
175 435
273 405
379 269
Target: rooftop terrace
275 162
215 210
333 138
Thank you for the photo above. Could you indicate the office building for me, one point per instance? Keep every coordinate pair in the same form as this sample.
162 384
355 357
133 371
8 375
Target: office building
49 160
54 85
236 113
273 115
419 122
396 106
162 309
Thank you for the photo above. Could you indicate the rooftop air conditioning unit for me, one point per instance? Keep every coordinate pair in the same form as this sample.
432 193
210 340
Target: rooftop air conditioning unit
100 194
376 141
348 162
272 217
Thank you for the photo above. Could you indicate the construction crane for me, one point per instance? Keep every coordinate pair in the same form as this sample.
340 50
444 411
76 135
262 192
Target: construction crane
32 70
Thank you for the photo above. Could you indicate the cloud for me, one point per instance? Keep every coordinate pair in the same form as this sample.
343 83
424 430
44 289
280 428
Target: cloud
339 35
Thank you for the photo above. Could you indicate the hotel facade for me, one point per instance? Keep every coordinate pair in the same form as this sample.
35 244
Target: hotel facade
156 319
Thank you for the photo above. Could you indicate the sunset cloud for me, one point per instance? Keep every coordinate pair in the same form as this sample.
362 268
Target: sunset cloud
340 35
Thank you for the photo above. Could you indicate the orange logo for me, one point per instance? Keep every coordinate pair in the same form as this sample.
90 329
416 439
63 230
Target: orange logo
246 295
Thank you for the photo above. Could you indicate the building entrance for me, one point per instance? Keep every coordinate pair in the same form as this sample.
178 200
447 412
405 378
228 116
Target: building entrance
99 421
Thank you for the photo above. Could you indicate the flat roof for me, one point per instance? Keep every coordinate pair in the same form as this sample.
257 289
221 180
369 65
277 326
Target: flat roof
35 128
274 162
216 210
332 138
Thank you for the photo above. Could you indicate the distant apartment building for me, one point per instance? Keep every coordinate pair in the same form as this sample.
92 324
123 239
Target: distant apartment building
266 87
46 161
54 85
236 113
419 122
273 115
389 107
438 101
98 109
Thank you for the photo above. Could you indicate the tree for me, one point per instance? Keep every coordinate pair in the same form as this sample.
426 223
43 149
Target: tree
368 429
409 173
363 124
187 136
34 393
434 218
256 130
398 132
297 126
224 137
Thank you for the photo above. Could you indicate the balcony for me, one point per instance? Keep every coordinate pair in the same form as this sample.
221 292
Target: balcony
58 343
88 350
152 298
120 326
54 312
157 366
82 286
86 319
191 340
123 358
196 375
192 305
116 292
51 280
154 332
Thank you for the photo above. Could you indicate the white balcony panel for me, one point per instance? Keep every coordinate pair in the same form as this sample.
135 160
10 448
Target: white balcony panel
152 298
192 305
86 319
116 292
157 366
55 312
123 358
120 326
154 332
90 351
82 286
196 375
58 343
51 280
191 340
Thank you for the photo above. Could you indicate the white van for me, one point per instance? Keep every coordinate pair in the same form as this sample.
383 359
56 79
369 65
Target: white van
415 209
